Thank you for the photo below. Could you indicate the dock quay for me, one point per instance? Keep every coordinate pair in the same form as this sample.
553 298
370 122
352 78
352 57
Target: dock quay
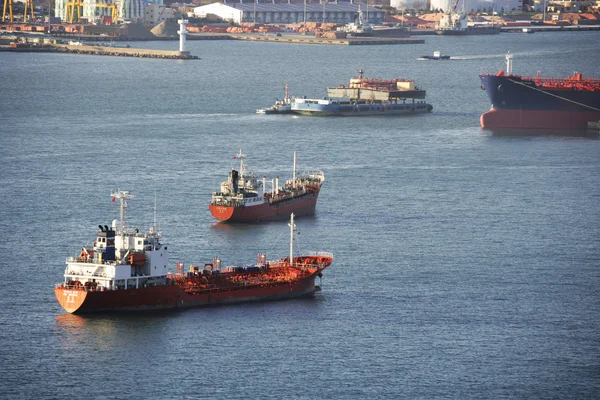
100 51
351 41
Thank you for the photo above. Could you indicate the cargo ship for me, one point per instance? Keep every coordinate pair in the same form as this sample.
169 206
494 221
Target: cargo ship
126 270
454 22
364 96
361 28
245 198
520 102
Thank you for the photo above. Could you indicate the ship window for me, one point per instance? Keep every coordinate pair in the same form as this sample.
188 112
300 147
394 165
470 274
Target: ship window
139 242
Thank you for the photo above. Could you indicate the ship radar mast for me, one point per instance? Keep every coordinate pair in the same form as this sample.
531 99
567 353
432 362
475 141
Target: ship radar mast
294 173
509 63
292 226
241 156
287 94
123 196
154 227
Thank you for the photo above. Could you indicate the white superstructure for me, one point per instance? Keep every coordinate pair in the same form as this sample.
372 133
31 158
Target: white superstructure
120 258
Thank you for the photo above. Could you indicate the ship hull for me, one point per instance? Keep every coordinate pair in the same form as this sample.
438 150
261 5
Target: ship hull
175 297
519 104
391 32
300 206
275 110
348 109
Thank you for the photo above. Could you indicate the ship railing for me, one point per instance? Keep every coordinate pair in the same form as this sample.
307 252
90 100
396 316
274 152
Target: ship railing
316 175
96 274
225 203
89 260
319 254
98 288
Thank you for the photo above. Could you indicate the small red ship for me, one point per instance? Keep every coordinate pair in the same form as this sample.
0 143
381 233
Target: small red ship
540 103
126 270
245 198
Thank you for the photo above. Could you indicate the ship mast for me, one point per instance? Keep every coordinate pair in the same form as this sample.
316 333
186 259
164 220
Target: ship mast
241 156
287 95
154 230
292 229
123 196
508 63
294 173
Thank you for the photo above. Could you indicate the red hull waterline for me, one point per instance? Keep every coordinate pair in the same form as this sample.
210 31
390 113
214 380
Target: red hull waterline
174 297
535 119
267 212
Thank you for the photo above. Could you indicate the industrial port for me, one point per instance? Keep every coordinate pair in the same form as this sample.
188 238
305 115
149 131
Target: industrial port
98 28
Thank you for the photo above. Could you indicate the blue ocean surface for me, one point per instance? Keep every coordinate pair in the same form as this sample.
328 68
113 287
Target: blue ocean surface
467 262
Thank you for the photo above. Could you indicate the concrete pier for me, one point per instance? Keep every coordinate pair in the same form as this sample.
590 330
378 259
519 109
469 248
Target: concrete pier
351 41
101 51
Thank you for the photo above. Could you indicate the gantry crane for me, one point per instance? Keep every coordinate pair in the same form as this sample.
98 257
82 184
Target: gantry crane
28 4
74 7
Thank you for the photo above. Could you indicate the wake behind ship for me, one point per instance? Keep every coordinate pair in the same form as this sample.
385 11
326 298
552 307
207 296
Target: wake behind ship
126 270
245 198
520 102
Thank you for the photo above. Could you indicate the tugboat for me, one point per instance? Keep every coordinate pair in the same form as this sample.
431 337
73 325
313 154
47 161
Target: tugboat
280 107
245 198
126 270
437 55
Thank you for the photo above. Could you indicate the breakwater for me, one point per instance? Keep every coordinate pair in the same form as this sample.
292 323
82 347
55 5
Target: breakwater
100 51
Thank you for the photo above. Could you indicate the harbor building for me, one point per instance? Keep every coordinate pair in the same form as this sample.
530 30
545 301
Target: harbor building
477 5
410 4
127 10
339 12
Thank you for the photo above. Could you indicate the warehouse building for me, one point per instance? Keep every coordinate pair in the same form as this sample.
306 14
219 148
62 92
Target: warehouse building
339 12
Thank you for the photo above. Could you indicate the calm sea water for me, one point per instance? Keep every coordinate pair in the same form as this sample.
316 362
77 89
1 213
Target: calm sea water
466 262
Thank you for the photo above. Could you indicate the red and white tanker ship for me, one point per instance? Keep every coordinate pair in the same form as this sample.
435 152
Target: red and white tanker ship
126 270
245 198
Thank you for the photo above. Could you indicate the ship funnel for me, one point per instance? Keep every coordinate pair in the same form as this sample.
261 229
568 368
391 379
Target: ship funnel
101 228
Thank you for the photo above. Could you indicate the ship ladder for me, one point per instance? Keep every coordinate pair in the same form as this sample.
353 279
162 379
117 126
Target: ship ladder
557 96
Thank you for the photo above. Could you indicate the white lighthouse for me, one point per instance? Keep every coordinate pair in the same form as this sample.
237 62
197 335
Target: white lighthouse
182 34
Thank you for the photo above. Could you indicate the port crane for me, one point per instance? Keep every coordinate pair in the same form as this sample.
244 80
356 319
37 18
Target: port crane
74 9
9 3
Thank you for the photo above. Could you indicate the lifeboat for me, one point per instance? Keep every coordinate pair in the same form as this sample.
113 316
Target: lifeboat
137 259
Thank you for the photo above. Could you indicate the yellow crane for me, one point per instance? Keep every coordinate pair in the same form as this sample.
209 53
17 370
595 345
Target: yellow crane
28 4
10 9
74 7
